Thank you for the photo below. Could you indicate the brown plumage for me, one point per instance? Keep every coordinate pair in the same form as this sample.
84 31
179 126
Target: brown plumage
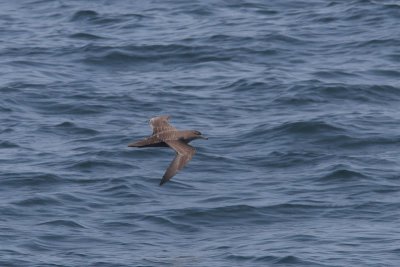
165 135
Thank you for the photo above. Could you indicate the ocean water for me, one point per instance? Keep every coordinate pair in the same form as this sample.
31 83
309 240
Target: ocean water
300 101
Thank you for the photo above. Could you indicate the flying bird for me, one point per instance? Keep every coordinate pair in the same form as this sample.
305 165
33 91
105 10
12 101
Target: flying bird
166 135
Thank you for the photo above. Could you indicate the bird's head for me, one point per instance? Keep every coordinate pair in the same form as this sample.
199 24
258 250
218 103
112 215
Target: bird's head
198 134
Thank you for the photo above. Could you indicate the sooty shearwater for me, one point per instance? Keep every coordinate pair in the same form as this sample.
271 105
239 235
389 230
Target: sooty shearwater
165 135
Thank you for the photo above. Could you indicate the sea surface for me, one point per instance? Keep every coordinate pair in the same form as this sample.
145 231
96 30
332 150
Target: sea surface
300 101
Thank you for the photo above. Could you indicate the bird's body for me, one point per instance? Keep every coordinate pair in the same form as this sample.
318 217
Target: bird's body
165 135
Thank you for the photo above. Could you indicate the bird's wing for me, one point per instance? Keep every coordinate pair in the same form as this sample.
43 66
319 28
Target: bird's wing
184 154
161 124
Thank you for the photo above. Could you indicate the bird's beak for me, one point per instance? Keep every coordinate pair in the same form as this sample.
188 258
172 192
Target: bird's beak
203 137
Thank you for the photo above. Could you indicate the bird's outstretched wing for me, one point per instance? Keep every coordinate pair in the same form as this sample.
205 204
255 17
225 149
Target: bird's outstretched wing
161 124
184 154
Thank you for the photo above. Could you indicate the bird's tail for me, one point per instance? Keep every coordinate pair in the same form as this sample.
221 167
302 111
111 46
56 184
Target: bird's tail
148 142
141 143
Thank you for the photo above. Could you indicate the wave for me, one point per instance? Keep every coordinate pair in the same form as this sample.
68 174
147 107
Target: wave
150 54
7 144
164 222
270 259
245 214
307 127
106 19
310 129
296 260
84 14
340 176
246 85
315 91
85 36
90 164
281 159
349 142
125 191
38 201
63 223
68 128
29 179
5 109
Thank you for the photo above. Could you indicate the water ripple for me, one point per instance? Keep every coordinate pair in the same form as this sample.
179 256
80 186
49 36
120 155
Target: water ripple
299 101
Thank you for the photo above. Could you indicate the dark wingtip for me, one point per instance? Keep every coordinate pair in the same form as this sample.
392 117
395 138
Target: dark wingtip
163 181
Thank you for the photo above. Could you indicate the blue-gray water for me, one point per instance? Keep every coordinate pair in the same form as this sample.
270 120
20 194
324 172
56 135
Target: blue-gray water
300 101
